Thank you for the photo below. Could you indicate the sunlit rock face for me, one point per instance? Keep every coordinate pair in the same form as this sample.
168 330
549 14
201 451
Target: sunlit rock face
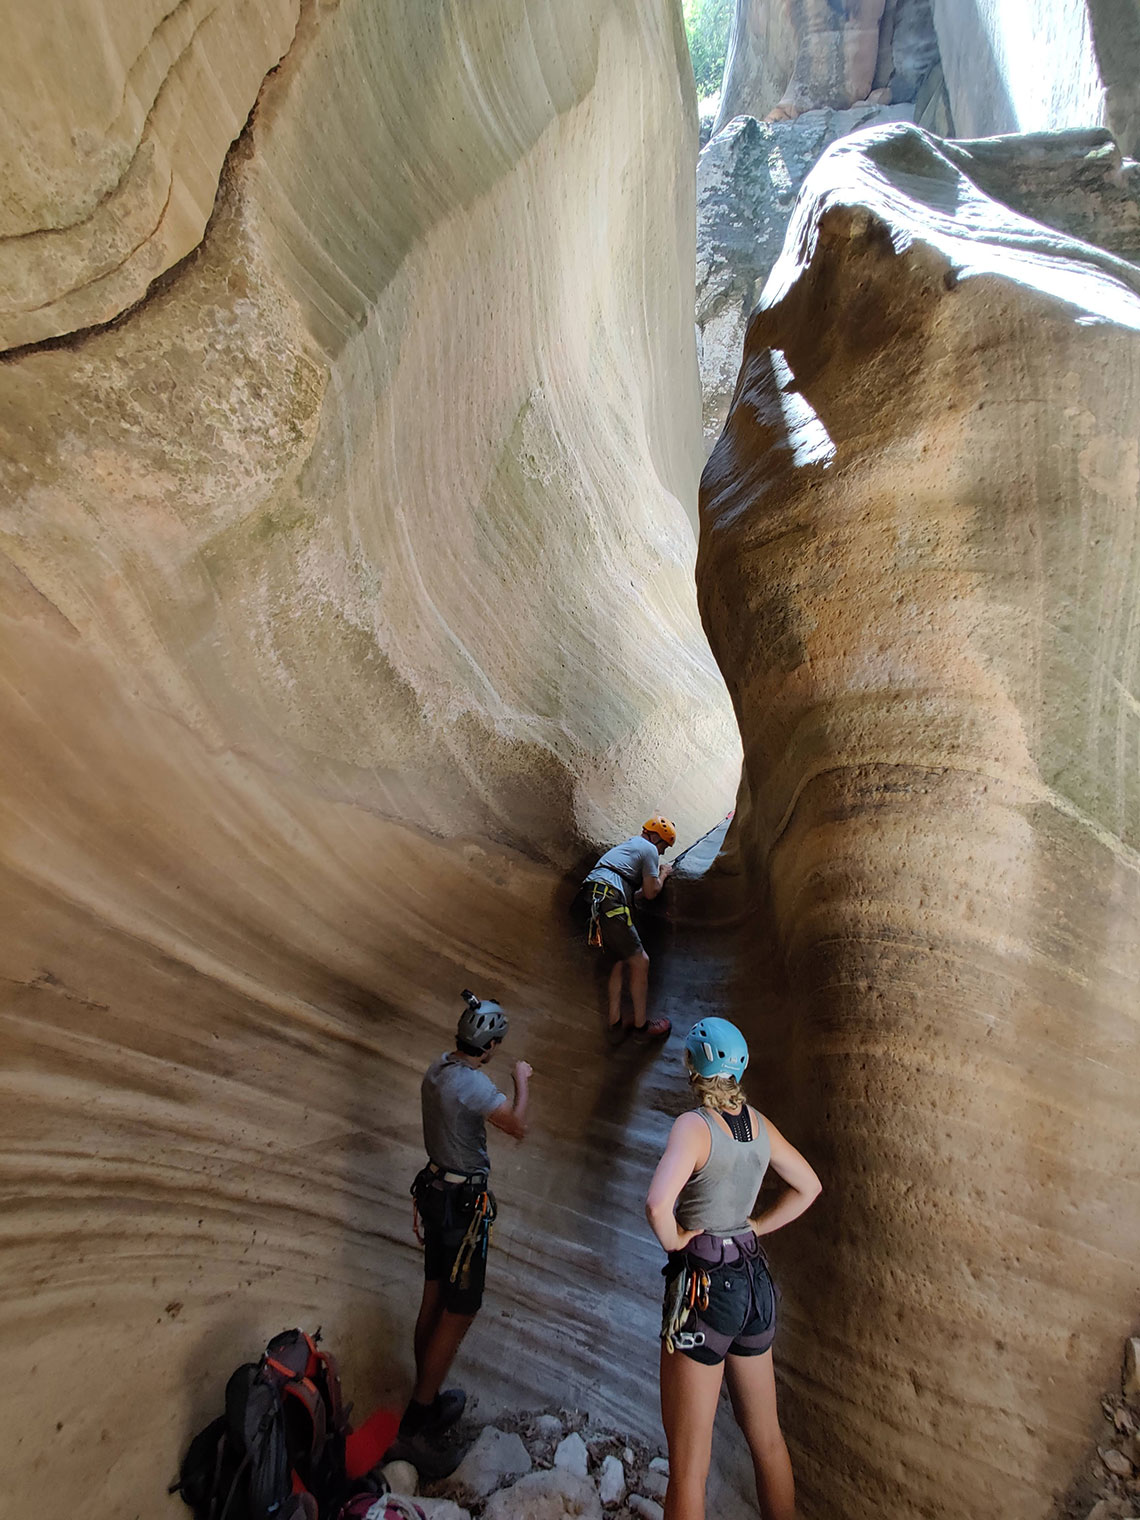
347 597
115 123
1008 65
1021 68
784 59
919 569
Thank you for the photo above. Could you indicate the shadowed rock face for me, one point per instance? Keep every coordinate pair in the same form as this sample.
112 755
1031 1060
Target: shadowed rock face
347 595
748 178
918 567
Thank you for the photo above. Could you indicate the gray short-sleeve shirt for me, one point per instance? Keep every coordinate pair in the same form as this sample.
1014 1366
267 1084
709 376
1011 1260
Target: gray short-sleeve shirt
455 1100
625 865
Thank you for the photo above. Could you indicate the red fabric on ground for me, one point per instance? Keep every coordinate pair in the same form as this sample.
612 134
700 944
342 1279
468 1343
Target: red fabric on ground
367 1445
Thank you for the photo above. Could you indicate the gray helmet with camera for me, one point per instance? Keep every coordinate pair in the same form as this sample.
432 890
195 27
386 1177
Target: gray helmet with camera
481 1023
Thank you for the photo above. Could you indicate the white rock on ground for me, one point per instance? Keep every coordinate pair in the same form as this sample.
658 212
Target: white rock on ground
551 1495
443 1509
1130 1382
495 1457
549 1426
646 1509
655 1483
611 1481
401 1477
572 1455
659 1465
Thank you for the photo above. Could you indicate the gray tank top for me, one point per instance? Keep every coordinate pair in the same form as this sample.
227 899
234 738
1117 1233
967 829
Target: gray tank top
719 1198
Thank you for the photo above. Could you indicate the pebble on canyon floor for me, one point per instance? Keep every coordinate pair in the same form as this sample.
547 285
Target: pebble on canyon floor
547 1466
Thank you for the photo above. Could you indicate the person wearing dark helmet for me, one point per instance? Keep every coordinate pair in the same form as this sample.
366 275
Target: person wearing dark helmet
456 1208
630 869
720 1303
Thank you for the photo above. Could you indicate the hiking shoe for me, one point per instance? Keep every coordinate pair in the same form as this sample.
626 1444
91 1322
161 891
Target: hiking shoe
448 1406
652 1029
616 1033
431 1462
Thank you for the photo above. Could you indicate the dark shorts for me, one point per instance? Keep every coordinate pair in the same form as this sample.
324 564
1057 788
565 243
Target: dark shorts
446 1213
740 1316
619 938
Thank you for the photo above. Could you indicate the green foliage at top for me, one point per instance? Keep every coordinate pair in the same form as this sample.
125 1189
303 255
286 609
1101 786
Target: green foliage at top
708 24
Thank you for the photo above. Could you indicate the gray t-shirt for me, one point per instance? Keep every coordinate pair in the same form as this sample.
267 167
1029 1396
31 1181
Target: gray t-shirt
455 1100
625 865
719 1198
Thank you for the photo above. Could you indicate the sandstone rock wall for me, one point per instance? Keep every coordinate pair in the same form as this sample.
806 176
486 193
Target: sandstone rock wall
786 59
347 594
114 125
1019 68
977 67
918 566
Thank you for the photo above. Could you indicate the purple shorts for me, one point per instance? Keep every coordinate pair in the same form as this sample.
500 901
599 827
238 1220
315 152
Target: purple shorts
739 1318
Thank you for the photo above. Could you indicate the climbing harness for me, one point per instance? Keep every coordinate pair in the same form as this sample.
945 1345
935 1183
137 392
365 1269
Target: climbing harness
686 1288
600 896
460 1191
477 1239
688 1279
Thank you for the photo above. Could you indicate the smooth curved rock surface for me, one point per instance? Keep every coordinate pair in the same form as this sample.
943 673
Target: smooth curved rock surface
347 599
114 124
1077 182
919 569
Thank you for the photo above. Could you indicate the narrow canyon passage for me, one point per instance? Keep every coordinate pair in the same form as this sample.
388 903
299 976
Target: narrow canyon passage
357 587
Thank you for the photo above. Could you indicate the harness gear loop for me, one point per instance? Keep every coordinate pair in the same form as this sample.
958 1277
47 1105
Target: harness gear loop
601 895
477 1238
682 1287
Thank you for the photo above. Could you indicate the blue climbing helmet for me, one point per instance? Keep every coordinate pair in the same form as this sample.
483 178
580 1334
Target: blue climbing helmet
716 1048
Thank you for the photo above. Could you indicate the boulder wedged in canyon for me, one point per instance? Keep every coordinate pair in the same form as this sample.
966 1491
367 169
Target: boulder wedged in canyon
348 598
919 569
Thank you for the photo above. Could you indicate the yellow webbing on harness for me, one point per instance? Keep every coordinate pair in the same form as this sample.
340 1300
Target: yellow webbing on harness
601 894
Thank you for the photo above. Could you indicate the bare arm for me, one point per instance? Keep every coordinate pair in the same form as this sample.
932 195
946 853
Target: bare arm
804 1187
651 885
687 1151
511 1117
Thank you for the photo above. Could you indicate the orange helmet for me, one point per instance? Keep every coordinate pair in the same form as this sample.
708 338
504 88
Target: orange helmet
662 828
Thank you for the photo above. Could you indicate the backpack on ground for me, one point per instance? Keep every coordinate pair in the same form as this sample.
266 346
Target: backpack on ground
278 1452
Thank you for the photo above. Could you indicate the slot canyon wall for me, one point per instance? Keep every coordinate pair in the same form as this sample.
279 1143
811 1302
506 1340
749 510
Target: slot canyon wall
919 570
799 77
346 540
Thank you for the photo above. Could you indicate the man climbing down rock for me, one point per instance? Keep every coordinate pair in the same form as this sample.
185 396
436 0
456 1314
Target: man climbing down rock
456 1208
630 868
